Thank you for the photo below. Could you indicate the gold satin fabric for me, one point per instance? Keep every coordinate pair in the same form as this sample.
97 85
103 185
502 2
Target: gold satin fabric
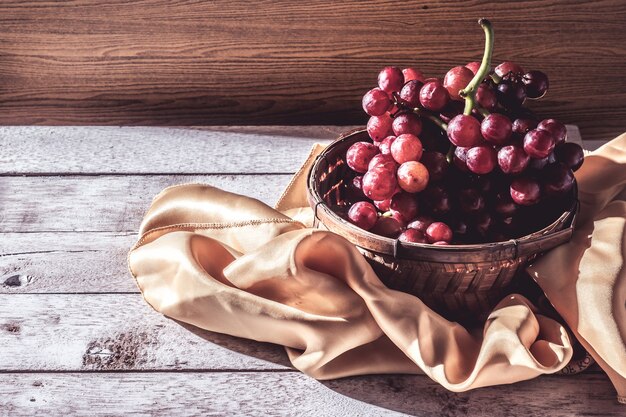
231 264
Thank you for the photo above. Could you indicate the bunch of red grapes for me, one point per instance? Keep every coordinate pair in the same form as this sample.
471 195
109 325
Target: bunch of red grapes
439 172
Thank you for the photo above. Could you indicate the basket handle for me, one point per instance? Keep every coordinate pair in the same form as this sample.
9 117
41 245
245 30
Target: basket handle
543 243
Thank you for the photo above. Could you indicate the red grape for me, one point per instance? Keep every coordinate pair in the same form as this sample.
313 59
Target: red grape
405 148
570 154
385 145
536 83
379 184
481 159
412 177
421 223
556 128
376 102
436 164
538 143
383 205
390 79
441 243
359 156
411 74
525 191
387 227
473 66
496 128
363 214
558 179
439 231
512 159
508 67
410 93
456 80
434 96
412 236
486 97
464 131
405 205
407 123
379 127
382 161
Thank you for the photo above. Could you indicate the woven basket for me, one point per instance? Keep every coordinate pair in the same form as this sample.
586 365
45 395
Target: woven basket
461 282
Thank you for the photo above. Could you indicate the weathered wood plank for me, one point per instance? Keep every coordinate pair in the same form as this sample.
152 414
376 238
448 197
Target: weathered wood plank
294 394
106 203
96 332
210 150
142 150
160 62
71 262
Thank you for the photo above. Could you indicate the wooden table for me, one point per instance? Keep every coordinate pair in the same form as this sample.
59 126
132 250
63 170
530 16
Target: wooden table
76 338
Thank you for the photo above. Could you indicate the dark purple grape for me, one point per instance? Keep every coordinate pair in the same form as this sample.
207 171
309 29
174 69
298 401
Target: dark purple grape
511 94
433 96
436 164
460 158
570 154
363 214
376 102
512 159
410 93
452 109
407 123
504 205
471 201
359 156
521 126
437 199
557 178
525 191
481 159
496 128
538 143
539 164
354 189
390 79
464 131
536 83
556 128
483 223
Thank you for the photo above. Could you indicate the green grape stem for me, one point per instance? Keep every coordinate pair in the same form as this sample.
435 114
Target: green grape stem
469 92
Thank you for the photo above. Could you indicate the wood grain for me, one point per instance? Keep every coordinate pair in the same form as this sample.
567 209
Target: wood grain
148 150
188 62
113 332
294 394
106 203
71 262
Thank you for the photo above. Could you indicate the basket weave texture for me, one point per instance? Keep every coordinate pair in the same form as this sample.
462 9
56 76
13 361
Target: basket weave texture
461 282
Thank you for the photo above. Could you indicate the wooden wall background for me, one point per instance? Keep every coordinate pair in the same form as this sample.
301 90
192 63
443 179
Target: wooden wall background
185 62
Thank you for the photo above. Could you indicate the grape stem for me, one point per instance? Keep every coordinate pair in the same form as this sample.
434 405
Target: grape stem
469 92
440 123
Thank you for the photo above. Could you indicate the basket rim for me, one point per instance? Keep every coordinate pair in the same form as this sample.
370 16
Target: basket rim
510 250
